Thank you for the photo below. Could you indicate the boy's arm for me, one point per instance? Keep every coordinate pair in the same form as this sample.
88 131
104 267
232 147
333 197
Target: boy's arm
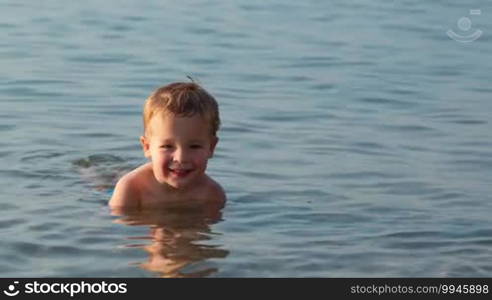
125 194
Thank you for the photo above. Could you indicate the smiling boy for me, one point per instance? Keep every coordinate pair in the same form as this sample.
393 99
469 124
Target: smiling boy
180 134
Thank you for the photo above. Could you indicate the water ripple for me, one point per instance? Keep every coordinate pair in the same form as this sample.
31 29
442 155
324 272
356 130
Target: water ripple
6 224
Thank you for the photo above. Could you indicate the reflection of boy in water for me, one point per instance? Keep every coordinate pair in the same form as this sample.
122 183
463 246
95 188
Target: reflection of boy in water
180 125
171 251
176 236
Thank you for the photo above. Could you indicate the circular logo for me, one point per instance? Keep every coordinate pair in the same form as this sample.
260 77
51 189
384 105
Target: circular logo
464 24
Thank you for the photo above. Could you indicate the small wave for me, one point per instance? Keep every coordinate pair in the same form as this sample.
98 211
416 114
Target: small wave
102 171
97 160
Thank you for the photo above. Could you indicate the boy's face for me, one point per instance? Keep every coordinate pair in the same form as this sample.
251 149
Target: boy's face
179 148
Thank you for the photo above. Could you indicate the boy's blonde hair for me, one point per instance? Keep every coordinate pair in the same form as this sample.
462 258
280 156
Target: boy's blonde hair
183 99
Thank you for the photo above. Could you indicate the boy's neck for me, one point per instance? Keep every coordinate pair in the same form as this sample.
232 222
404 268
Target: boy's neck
168 189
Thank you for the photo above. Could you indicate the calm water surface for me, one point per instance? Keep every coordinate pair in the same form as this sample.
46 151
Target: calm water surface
356 138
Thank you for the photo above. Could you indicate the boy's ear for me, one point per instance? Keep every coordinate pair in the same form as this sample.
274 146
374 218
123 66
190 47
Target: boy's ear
214 142
145 146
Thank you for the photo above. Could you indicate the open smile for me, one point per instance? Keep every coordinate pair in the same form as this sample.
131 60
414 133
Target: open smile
180 172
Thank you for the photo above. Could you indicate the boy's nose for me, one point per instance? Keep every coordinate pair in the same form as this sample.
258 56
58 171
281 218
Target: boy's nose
180 155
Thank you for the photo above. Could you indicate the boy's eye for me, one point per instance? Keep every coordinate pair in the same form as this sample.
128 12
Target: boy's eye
196 146
167 146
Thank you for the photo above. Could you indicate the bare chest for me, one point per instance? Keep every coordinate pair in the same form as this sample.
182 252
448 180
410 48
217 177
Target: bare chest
158 198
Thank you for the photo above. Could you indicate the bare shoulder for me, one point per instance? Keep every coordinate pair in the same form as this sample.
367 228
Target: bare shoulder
127 190
215 193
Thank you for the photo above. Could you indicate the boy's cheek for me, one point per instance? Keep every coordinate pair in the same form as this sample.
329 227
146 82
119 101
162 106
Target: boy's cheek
148 153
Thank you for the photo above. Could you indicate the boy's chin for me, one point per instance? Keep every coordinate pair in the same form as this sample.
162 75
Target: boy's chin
177 185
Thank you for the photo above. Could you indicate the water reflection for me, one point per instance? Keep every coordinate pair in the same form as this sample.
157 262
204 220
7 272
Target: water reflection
176 235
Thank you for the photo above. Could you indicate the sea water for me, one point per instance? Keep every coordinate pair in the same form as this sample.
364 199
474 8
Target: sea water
356 137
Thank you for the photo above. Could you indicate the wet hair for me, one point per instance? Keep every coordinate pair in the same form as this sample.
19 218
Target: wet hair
182 99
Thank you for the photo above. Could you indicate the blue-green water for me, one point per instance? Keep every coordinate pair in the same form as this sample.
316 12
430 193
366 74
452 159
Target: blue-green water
356 139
